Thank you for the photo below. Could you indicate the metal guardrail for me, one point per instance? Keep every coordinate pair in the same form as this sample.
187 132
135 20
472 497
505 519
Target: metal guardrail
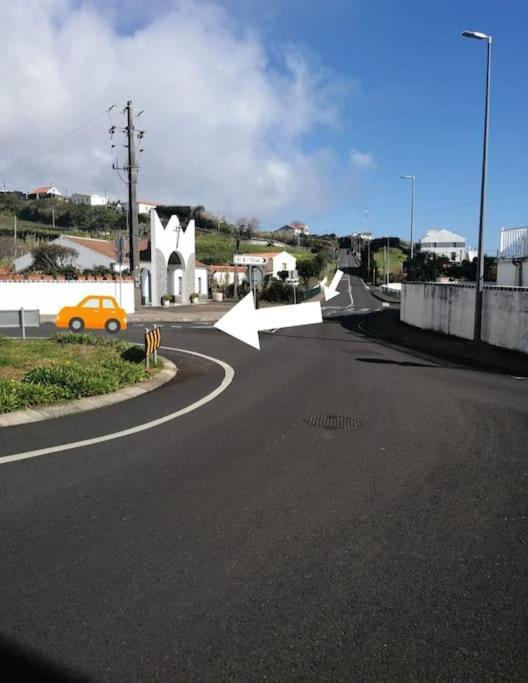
21 318
310 293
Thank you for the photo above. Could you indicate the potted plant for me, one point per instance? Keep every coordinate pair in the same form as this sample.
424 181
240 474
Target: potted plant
165 299
216 292
194 297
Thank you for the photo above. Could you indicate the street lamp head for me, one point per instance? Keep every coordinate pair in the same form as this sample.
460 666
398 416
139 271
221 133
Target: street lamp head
408 177
476 35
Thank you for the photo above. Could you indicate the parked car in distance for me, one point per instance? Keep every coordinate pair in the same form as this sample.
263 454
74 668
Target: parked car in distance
93 313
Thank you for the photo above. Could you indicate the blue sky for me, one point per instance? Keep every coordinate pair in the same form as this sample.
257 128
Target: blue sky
418 107
279 109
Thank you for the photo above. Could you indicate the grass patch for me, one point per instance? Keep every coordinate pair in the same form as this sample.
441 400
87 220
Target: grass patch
65 367
219 248
396 260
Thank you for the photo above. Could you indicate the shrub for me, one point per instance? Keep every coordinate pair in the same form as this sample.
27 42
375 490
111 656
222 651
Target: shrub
16 395
133 354
277 291
74 379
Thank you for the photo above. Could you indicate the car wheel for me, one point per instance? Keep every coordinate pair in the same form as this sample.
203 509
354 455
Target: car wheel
112 326
76 325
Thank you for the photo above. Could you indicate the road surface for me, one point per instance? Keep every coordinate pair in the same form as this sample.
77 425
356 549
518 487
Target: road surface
241 542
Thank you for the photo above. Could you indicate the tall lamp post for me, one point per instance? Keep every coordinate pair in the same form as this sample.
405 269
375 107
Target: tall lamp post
479 278
412 179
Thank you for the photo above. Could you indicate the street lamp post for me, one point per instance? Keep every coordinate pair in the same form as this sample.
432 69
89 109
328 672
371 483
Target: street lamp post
412 179
479 278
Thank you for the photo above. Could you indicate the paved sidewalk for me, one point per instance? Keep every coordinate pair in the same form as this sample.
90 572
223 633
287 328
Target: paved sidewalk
386 325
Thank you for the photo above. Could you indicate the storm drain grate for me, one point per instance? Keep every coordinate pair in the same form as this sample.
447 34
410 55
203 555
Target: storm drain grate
332 422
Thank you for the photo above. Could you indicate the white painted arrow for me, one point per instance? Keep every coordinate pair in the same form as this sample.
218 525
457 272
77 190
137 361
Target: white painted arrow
331 292
244 321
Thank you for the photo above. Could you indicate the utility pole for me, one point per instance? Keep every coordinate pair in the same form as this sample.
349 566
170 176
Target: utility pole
15 232
132 206
53 217
132 174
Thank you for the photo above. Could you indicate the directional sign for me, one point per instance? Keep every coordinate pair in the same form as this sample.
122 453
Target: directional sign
249 260
244 321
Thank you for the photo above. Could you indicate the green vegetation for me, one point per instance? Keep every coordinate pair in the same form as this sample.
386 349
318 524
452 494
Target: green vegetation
67 366
396 260
219 248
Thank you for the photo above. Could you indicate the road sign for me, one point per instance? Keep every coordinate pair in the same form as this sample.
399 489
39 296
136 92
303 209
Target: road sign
256 276
152 343
249 260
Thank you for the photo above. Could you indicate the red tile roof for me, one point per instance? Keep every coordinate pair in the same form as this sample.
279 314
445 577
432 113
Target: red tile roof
42 190
104 247
226 269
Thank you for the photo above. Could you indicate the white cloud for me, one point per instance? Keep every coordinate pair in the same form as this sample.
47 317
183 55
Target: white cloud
362 160
223 127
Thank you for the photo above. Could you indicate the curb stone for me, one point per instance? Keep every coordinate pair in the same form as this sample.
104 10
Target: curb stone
82 405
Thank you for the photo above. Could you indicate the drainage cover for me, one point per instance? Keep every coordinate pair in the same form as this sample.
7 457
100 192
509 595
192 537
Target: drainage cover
332 422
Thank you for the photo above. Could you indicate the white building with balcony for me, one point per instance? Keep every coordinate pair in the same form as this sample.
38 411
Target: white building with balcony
443 242
512 263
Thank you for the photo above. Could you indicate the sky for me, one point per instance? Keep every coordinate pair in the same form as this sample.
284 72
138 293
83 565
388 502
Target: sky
279 109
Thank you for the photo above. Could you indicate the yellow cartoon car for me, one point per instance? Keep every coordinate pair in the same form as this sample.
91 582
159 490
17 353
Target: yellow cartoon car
93 313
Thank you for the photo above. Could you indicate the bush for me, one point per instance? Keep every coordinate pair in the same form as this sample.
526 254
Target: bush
91 340
277 291
16 395
74 379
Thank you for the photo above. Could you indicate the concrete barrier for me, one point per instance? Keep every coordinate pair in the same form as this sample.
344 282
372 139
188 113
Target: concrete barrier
450 309
49 296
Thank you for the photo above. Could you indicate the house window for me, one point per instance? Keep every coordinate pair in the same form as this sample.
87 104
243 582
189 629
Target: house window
453 256
284 266
180 285
199 285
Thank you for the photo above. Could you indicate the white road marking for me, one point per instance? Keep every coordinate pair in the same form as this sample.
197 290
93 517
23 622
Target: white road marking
229 373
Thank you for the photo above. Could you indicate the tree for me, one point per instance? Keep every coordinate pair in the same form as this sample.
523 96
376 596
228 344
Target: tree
49 258
309 268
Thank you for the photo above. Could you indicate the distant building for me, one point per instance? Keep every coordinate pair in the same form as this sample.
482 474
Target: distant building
145 207
91 253
45 191
89 199
443 242
294 229
512 263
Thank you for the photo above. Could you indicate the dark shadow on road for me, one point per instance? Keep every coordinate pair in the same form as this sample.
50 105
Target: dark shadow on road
22 664
404 363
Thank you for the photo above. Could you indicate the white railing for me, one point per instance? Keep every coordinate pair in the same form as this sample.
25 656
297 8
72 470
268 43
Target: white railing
513 243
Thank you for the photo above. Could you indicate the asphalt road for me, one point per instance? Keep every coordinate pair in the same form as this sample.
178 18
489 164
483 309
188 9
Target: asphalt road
239 542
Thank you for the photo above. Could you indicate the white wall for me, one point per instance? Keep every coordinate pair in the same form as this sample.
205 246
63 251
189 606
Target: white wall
508 273
50 296
450 309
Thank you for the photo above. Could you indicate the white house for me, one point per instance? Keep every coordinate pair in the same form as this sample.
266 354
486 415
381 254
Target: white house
145 207
226 274
46 191
91 253
443 242
277 262
512 263
89 199
294 229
